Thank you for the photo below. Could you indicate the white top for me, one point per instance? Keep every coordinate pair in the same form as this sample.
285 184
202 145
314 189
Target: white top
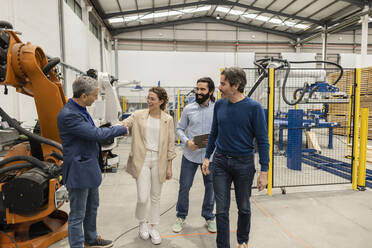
152 134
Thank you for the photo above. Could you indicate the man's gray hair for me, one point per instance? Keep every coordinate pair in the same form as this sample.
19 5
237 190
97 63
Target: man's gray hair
84 84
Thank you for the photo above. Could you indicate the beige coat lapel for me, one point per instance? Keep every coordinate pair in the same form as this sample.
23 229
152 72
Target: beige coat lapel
143 125
163 129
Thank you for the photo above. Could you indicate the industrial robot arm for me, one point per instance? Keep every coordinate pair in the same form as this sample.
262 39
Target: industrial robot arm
28 183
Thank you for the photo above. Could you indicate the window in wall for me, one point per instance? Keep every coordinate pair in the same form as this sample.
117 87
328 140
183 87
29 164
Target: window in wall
94 26
75 6
106 43
78 11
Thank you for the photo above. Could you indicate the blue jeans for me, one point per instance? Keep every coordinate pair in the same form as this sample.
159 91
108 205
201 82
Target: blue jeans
188 170
239 170
83 215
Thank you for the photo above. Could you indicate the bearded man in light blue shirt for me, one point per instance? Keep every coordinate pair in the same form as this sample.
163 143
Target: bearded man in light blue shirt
196 119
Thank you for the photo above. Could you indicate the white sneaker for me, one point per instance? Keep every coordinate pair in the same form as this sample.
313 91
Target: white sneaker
144 230
155 236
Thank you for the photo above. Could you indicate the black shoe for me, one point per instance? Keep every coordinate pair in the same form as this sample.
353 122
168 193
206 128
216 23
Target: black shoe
100 243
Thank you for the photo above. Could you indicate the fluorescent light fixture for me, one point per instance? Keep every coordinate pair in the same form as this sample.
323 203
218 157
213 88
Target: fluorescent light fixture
262 18
251 16
131 18
222 9
236 12
301 26
289 24
193 10
276 21
160 14
116 20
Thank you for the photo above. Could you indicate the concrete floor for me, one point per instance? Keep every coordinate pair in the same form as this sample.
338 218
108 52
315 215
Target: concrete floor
316 216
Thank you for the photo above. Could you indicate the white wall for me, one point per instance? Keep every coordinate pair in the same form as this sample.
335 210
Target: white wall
39 23
352 60
82 48
41 30
177 68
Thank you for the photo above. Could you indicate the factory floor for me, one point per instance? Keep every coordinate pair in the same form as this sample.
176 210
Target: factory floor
314 216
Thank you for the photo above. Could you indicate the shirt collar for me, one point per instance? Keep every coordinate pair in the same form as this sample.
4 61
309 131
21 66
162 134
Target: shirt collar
208 104
78 106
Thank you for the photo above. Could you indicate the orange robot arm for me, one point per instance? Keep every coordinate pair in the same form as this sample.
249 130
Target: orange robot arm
27 69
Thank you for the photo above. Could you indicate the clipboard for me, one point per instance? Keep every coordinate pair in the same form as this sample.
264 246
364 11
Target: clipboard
198 140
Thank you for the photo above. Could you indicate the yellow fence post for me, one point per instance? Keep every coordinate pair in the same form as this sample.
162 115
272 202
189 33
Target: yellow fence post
123 98
363 148
354 170
270 128
219 92
178 111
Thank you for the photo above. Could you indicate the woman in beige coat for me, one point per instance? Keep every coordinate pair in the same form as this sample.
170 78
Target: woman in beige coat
150 159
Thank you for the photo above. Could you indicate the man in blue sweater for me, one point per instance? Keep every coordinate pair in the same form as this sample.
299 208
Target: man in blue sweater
237 120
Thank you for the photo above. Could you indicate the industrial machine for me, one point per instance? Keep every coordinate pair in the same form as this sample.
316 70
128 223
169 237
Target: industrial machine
317 92
305 119
106 111
30 173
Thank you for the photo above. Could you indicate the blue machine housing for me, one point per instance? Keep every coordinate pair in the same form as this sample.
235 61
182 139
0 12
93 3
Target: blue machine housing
323 87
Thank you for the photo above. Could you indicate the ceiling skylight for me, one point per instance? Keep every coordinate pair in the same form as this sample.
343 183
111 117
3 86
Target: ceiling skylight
116 20
159 14
261 18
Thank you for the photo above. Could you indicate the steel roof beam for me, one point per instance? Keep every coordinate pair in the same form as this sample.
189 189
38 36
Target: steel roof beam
359 3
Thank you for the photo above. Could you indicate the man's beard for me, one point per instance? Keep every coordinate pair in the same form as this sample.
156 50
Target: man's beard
201 100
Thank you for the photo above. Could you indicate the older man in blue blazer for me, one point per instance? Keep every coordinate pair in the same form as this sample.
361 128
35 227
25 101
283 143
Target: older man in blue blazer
81 168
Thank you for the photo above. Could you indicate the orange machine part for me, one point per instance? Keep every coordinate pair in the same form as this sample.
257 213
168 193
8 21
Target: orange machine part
12 218
56 222
25 73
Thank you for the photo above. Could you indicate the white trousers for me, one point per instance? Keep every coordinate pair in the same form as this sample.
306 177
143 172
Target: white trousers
149 187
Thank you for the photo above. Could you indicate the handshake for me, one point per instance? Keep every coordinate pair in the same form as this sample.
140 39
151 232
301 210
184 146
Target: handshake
123 125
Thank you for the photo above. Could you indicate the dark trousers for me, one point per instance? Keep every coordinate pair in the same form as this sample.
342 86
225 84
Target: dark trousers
240 171
188 170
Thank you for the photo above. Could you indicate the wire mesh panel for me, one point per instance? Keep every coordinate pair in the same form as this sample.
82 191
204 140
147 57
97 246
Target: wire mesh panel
310 138
260 94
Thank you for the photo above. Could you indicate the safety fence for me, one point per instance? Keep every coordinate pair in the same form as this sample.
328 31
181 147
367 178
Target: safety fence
312 142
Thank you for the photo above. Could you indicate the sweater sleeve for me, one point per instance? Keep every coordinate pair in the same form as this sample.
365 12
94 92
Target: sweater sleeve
213 134
85 130
260 131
